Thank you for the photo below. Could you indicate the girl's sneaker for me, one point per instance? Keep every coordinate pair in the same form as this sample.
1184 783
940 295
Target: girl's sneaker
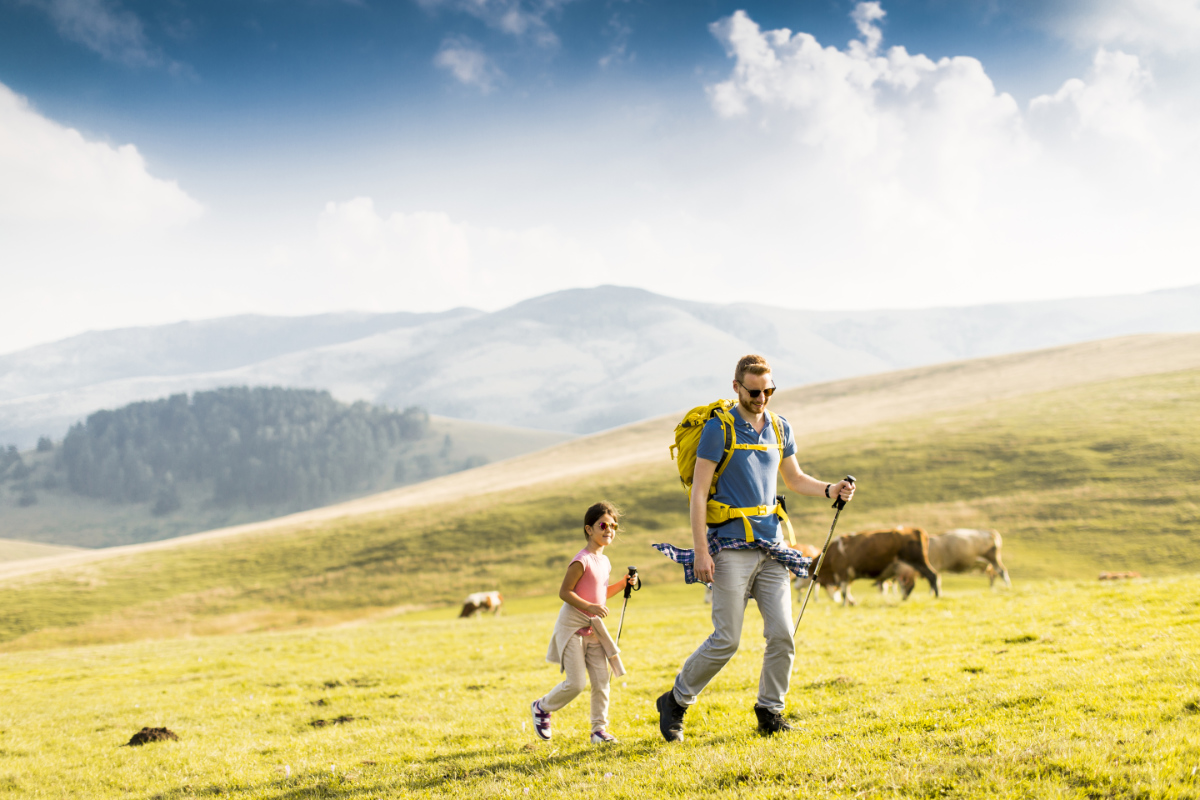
603 737
541 721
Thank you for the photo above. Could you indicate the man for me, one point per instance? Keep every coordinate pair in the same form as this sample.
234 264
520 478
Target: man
748 550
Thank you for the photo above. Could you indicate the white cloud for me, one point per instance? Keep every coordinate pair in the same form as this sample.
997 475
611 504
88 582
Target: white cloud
103 27
1110 104
619 32
519 18
467 62
866 17
425 260
1167 26
52 175
898 167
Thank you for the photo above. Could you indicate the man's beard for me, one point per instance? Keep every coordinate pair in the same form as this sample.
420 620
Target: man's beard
749 409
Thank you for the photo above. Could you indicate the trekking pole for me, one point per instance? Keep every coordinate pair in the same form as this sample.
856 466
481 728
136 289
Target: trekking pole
630 579
839 504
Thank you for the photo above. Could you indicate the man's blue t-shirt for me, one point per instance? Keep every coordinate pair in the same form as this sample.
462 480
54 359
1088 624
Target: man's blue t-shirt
749 480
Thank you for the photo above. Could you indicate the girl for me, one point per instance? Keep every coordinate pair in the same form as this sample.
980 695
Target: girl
581 643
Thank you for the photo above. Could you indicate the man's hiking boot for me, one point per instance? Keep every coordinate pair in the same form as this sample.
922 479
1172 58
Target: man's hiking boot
541 721
670 717
770 722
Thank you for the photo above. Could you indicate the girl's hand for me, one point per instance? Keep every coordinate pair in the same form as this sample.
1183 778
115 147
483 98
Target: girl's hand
597 610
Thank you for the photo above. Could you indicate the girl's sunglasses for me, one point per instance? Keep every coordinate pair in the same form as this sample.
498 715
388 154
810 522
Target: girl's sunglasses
605 527
754 393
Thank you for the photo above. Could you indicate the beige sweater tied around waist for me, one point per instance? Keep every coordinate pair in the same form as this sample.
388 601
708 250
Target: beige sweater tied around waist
570 620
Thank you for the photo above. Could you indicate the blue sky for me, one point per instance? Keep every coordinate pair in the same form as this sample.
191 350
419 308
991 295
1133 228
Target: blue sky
171 160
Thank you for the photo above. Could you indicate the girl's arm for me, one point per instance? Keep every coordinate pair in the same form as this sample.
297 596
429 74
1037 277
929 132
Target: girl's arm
616 587
566 592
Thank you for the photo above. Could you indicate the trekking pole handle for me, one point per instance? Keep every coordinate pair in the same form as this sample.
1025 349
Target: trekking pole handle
630 579
839 503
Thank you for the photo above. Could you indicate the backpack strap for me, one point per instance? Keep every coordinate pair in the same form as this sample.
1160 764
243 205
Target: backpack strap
718 513
730 433
780 511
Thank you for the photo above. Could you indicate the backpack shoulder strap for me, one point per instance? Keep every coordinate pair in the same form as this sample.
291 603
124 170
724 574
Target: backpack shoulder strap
778 433
721 412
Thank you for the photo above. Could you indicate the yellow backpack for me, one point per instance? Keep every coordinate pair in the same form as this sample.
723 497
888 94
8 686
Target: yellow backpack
683 453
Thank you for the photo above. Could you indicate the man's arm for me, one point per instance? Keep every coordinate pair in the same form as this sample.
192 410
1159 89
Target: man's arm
698 512
795 479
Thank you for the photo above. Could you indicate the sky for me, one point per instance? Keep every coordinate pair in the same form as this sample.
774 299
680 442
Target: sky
173 159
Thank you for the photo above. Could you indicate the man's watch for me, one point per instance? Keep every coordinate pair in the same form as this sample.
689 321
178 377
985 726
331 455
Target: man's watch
827 489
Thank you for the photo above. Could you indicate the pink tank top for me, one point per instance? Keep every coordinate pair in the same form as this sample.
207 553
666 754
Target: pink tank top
593 586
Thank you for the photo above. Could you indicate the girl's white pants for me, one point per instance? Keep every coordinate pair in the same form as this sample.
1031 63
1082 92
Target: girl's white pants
582 658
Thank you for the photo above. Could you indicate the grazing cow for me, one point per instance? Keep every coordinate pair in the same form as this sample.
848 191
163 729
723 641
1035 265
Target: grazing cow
801 584
957 550
1119 576
480 601
967 549
873 554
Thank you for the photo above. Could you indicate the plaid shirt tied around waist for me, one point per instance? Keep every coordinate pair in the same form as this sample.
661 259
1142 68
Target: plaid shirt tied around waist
795 563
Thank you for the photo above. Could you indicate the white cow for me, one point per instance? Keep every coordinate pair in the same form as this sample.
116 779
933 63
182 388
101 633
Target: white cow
957 550
479 601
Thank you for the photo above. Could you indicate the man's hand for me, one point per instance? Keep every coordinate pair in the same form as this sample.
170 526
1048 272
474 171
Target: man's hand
842 489
703 566
597 610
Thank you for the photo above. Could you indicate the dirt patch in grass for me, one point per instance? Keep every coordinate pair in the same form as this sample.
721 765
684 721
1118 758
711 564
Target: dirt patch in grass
147 735
1022 639
342 720
840 682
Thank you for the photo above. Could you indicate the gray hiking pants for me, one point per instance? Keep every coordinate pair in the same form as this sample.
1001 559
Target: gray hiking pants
739 575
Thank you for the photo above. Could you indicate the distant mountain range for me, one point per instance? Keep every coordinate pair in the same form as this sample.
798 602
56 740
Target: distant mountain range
576 361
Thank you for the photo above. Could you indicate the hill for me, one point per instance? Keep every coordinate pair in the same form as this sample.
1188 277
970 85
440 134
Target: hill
157 469
1085 457
16 550
581 361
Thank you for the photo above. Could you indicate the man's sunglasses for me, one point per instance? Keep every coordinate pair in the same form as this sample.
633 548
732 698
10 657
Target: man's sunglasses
754 393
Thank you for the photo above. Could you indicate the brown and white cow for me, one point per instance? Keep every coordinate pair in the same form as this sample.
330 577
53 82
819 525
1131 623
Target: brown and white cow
958 550
874 554
481 601
801 584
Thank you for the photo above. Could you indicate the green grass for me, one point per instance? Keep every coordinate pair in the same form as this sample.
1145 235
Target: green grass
1053 689
1104 476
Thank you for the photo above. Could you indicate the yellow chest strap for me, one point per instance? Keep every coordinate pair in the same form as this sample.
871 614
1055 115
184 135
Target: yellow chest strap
718 513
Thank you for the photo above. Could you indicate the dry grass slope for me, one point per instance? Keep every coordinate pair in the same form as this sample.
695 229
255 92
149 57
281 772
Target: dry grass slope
1094 470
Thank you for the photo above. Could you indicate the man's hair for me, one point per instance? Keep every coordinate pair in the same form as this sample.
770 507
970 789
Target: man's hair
598 510
755 365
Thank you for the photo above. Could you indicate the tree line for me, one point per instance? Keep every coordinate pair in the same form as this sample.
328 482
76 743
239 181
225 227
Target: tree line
252 446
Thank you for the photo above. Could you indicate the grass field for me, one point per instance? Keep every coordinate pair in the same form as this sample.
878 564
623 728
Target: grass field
1060 687
1097 477
1053 689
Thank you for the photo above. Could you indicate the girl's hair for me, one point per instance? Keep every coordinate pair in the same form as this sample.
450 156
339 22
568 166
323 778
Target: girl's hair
598 510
